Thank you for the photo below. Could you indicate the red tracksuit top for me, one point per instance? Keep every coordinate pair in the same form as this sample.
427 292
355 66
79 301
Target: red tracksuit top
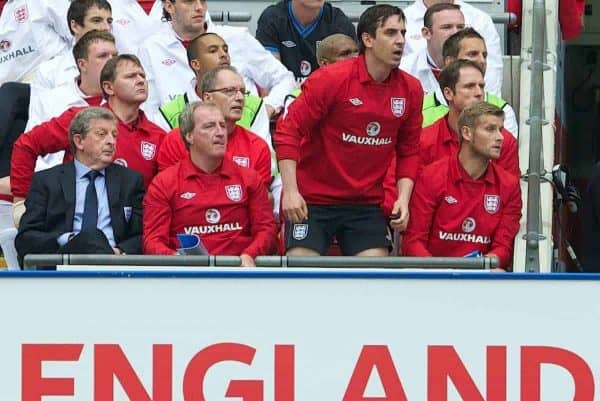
243 147
228 209
439 141
345 128
452 214
137 147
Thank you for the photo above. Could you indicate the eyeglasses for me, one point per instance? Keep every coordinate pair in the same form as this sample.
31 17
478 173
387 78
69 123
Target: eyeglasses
230 92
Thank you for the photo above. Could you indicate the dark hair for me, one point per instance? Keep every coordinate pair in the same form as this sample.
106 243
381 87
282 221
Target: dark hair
451 46
109 71
81 48
192 49
374 17
451 73
79 8
436 8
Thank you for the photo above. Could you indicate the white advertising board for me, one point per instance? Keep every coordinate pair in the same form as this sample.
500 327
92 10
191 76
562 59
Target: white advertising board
298 337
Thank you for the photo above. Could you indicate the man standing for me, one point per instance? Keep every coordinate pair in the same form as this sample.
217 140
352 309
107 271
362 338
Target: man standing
89 205
125 87
474 18
466 44
208 195
440 21
164 57
465 204
292 29
332 166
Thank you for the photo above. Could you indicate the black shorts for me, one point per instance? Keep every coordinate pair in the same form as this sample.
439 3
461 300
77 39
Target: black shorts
356 228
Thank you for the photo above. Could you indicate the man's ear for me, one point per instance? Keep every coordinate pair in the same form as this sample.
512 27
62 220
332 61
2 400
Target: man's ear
195 65
367 40
206 97
77 141
448 94
426 33
466 133
107 87
81 64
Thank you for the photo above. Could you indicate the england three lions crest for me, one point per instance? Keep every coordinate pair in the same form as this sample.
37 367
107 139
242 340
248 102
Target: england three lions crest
148 150
234 192
21 14
491 203
300 231
398 106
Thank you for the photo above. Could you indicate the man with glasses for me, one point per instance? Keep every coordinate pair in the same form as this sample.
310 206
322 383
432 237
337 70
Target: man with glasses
224 87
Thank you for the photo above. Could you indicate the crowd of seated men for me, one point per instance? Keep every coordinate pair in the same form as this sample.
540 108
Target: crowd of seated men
126 133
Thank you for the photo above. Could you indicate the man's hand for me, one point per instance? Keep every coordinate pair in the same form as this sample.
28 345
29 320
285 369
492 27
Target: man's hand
18 210
117 251
294 207
400 215
247 260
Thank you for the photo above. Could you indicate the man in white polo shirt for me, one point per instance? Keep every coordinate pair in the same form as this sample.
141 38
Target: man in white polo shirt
164 57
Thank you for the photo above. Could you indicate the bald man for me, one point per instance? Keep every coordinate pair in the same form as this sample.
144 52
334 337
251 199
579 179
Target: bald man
336 47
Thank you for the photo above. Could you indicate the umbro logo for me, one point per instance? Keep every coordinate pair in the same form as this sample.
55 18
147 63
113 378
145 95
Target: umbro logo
288 43
451 200
122 21
187 195
356 101
168 61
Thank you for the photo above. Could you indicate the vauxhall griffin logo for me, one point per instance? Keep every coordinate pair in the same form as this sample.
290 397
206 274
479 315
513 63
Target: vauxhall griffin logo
373 128
4 45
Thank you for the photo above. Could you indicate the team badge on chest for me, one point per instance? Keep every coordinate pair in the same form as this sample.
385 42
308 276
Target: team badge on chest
234 192
21 14
148 150
491 203
398 105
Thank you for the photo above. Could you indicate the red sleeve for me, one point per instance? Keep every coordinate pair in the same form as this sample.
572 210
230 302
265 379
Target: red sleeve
157 217
263 164
171 151
304 114
262 222
504 237
422 209
49 137
570 17
407 146
510 155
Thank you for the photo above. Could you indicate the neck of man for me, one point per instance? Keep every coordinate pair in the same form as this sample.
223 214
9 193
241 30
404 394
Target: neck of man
377 70
436 57
184 34
453 115
474 164
230 125
205 163
304 15
126 112
90 87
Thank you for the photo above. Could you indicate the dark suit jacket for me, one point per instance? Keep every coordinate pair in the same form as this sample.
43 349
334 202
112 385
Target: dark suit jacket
50 207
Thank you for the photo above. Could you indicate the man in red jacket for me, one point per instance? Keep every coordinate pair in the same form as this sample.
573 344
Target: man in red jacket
466 204
125 87
208 195
462 84
340 135
224 87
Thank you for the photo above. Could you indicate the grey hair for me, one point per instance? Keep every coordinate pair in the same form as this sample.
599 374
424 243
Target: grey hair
208 80
81 122
186 118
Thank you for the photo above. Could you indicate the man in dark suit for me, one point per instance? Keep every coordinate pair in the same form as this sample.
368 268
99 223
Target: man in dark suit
89 205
